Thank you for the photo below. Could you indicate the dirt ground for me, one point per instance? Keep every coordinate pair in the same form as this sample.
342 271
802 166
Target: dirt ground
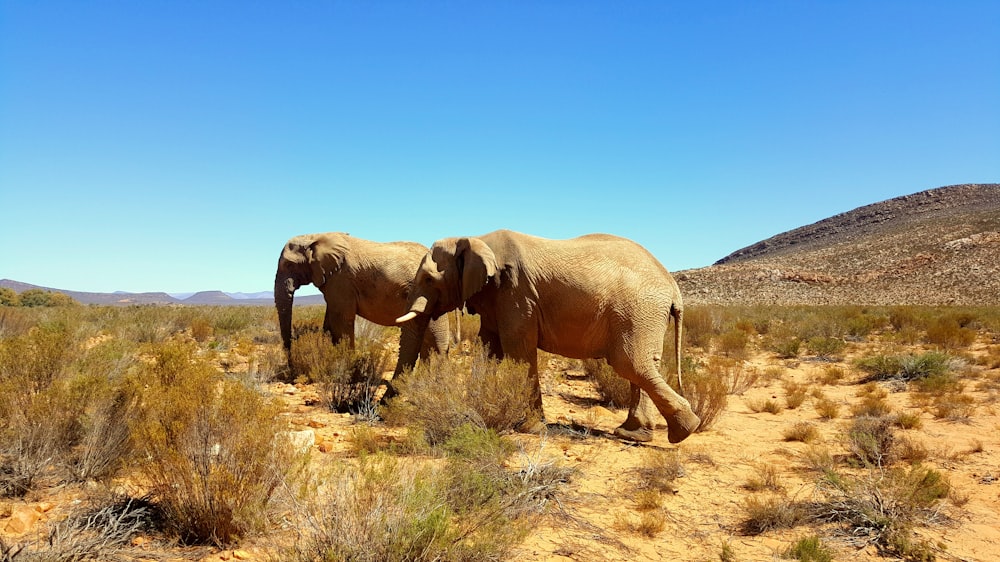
596 516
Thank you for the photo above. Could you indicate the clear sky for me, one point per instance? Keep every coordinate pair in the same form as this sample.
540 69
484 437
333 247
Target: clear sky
175 146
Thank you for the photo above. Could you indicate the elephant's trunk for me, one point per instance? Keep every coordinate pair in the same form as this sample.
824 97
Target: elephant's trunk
284 297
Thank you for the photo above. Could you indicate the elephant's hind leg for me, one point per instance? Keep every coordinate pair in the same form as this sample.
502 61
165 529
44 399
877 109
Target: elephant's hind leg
644 375
640 423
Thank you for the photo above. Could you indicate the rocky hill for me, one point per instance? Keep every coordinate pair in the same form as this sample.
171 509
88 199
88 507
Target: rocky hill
940 246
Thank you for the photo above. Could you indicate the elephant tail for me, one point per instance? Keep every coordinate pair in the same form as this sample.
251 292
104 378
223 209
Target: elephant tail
678 313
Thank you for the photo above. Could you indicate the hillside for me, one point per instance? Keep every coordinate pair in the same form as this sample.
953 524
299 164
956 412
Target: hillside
940 246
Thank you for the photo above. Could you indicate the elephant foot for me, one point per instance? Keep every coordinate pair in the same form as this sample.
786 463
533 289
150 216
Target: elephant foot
534 424
639 435
387 392
682 424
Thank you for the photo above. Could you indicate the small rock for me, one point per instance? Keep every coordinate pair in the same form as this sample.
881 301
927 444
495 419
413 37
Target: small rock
241 555
22 519
316 424
326 447
302 441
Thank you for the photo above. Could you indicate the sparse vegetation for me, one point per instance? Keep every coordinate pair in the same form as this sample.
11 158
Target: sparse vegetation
91 397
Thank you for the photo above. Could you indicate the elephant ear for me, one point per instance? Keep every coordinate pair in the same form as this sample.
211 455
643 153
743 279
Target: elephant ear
476 265
327 255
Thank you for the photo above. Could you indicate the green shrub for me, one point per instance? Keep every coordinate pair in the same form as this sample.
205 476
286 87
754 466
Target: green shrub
809 549
826 348
787 348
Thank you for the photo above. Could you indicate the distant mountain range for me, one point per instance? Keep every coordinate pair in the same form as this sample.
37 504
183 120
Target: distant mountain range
202 298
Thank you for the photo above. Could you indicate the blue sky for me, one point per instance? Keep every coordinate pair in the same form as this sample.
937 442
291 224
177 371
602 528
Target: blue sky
175 146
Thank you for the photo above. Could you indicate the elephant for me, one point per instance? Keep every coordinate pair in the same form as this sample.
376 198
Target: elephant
595 296
357 278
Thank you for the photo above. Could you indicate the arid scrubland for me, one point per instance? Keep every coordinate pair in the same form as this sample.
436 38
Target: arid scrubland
160 433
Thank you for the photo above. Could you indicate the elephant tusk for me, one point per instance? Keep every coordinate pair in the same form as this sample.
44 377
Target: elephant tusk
406 317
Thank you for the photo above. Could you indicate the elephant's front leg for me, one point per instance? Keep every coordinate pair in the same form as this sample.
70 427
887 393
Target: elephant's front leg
339 325
522 346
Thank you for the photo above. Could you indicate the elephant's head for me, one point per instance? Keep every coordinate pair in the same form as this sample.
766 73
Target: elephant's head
310 258
453 271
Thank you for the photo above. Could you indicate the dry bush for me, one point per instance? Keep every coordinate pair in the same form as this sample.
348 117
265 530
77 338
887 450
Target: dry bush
802 431
759 405
954 407
765 514
871 405
872 440
736 375
908 420
614 390
708 395
431 399
764 477
819 459
733 343
882 506
832 374
39 412
99 529
826 348
949 333
498 391
16 321
826 408
441 394
466 326
699 326
795 395
929 365
659 470
210 448
472 508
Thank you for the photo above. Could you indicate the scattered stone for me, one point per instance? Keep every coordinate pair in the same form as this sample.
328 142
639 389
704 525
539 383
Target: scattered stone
22 519
302 441
326 447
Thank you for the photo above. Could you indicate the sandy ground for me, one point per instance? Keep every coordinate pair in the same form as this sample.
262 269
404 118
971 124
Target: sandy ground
596 516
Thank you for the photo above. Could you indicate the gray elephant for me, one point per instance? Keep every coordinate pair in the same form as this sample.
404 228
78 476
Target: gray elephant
596 296
357 278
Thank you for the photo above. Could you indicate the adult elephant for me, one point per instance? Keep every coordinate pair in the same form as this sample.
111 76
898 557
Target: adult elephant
596 296
357 278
